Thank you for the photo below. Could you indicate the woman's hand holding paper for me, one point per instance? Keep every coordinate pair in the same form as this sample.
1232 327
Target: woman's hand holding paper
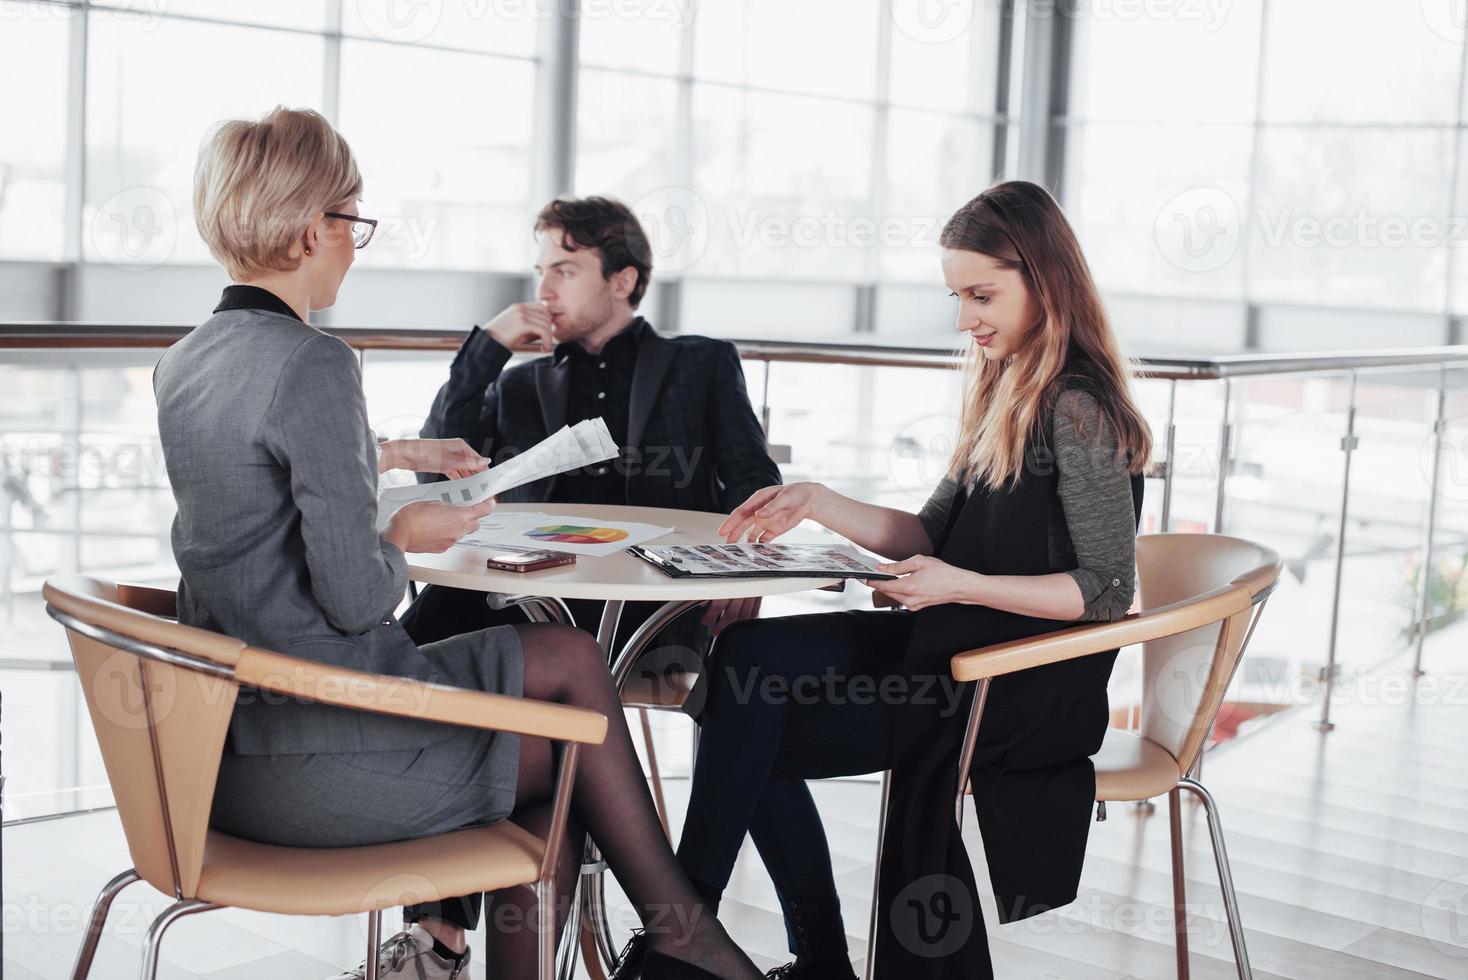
451 457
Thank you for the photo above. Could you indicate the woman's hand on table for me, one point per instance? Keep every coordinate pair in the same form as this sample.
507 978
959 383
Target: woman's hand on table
770 512
431 527
926 581
451 457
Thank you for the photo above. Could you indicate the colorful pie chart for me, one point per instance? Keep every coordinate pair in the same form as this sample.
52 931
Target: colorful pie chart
574 534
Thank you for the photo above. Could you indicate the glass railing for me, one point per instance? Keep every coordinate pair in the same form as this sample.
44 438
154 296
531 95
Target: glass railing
1349 464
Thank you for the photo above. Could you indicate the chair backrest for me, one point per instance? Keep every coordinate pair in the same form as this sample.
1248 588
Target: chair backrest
1185 676
160 697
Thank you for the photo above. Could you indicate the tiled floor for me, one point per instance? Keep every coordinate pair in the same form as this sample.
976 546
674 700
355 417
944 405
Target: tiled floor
1350 854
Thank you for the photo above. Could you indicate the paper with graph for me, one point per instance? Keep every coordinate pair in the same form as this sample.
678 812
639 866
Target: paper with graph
588 536
570 448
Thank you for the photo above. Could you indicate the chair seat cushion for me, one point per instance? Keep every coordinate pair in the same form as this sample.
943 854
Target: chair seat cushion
1130 767
347 880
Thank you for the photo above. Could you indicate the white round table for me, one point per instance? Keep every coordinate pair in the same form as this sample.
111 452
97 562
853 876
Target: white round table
620 577
614 579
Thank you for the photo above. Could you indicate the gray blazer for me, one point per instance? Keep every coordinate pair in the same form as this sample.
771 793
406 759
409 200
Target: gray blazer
264 430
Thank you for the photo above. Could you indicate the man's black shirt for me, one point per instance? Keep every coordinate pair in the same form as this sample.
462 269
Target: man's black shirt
601 385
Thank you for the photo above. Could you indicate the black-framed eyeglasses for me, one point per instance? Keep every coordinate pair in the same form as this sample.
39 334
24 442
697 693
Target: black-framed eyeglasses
362 228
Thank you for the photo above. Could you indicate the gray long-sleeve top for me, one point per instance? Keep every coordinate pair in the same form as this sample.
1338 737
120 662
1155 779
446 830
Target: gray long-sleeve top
1096 503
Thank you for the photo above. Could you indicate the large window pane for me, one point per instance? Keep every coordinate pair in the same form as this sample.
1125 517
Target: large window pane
449 186
307 15
1185 62
154 89
33 72
785 182
625 134
945 56
506 26
1458 238
1361 61
825 47
934 164
1159 209
1352 217
646 37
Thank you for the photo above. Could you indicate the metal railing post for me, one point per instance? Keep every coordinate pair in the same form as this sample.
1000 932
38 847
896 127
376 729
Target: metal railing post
1424 573
1225 450
1169 460
1348 447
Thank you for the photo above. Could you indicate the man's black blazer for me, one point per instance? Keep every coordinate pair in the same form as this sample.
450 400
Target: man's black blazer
693 440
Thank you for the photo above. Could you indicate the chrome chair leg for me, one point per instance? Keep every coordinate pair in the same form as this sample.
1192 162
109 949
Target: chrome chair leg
1179 883
98 920
877 877
571 937
1225 876
160 925
374 942
546 893
594 907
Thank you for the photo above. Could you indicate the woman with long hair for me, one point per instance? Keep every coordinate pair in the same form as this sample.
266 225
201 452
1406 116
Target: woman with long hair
1033 528
263 424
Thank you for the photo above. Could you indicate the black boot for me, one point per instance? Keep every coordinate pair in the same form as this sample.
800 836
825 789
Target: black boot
629 964
810 964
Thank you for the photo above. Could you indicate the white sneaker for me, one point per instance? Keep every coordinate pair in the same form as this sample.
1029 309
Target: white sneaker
410 956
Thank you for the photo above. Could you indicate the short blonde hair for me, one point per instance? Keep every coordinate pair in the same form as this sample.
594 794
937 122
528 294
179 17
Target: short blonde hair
259 185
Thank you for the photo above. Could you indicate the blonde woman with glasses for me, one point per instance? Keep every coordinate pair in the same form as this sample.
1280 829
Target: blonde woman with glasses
264 430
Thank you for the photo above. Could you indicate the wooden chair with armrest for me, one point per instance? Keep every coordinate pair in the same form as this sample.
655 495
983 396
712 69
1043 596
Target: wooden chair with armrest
160 696
1201 597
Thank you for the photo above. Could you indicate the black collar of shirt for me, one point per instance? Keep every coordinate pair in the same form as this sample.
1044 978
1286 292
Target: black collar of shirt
239 297
632 336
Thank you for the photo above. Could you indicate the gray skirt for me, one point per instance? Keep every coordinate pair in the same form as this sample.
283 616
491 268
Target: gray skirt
354 798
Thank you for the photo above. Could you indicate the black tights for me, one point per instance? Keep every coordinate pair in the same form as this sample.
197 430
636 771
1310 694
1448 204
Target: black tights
612 804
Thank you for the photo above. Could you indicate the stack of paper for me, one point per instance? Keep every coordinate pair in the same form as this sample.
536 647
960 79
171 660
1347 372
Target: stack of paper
573 447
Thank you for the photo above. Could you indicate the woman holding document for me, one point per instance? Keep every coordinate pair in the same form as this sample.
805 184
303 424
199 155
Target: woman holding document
1033 528
264 430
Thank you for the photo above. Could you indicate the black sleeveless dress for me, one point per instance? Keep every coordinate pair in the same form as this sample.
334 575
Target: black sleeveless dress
1033 781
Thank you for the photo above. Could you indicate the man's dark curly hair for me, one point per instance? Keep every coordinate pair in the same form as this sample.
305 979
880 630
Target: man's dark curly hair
605 224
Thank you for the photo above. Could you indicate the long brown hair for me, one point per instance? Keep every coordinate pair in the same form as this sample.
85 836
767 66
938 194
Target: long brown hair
1020 226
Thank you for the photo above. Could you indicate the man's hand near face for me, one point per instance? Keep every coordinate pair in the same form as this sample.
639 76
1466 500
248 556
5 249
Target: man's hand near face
523 325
